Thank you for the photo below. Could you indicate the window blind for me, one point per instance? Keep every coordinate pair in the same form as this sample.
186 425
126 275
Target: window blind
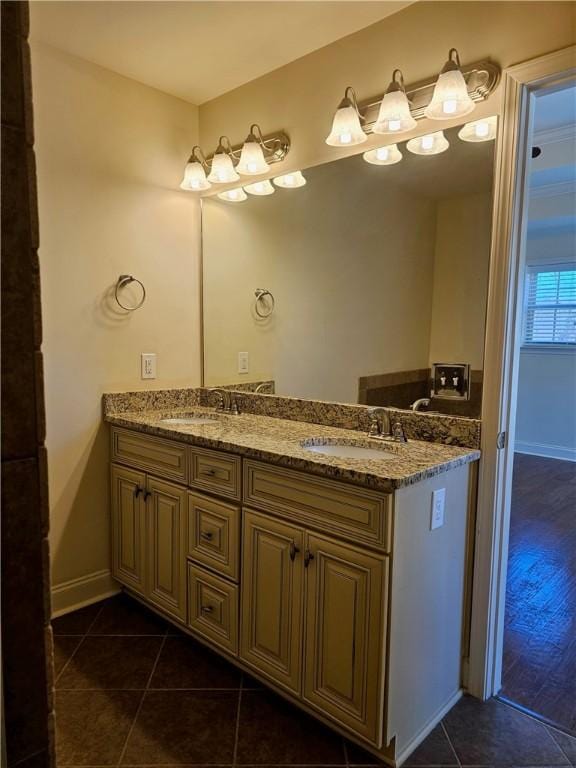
550 304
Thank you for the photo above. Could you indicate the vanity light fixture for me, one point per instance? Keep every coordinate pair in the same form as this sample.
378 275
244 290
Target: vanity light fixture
252 160
223 171
290 180
394 115
430 144
194 174
233 195
346 128
479 130
383 155
451 97
260 188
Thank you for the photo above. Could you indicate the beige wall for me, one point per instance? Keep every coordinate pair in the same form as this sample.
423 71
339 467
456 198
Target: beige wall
461 280
110 153
302 96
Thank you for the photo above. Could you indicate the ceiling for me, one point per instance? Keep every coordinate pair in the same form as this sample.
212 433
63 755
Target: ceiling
199 50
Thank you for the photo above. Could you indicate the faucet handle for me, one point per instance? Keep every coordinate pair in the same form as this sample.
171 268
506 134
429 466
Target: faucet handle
374 426
234 410
398 433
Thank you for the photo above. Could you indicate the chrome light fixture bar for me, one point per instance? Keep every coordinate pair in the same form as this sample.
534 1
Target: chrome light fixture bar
481 79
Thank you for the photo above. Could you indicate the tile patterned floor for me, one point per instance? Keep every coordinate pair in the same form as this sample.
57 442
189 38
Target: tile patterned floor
133 691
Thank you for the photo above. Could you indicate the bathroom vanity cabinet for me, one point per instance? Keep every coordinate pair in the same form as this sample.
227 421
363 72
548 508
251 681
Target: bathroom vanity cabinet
339 597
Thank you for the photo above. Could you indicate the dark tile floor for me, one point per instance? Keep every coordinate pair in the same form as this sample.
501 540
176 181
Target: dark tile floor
539 664
133 691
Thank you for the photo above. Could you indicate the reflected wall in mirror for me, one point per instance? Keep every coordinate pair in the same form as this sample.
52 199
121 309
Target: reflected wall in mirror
377 273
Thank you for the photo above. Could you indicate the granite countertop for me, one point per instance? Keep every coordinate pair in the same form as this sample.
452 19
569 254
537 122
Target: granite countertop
279 441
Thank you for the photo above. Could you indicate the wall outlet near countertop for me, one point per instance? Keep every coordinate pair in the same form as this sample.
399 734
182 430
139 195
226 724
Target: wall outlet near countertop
437 512
148 365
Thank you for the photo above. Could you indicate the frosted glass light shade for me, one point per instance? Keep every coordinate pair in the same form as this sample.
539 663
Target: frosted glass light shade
430 144
394 115
223 171
260 188
290 180
346 129
252 160
450 98
233 195
383 155
195 178
479 130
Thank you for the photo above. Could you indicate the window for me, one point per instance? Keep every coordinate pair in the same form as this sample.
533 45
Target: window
550 305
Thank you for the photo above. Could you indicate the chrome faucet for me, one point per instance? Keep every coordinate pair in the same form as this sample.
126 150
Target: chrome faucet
420 404
379 423
226 401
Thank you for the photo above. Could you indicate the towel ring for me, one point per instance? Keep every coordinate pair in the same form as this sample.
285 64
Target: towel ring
122 282
260 293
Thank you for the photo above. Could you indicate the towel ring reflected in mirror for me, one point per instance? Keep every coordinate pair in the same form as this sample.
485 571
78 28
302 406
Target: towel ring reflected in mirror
260 294
122 282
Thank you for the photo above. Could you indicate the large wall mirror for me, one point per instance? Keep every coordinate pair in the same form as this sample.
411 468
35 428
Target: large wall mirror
379 276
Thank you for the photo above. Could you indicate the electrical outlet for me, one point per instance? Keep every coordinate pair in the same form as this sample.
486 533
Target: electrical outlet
243 362
148 365
437 513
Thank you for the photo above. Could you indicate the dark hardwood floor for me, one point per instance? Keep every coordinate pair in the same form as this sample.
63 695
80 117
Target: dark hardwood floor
539 665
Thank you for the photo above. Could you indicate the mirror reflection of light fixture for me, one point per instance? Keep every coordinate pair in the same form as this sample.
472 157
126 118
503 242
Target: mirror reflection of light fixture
194 174
383 155
451 97
223 171
260 188
233 195
346 128
394 115
430 144
479 130
291 180
252 160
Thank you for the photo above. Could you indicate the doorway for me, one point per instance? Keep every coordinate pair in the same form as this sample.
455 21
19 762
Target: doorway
539 651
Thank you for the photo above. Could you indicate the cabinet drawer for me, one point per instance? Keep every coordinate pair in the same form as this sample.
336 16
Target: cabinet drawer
215 472
356 513
213 608
213 538
161 457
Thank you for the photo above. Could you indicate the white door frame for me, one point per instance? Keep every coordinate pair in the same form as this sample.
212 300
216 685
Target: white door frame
503 322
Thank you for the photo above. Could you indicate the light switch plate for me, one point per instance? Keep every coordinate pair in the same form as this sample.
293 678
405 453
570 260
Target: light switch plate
148 365
437 513
243 362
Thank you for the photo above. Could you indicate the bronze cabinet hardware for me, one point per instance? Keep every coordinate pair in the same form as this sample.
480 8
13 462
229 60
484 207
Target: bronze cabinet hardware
207 535
137 491
308 556
207 609
147 495
293 551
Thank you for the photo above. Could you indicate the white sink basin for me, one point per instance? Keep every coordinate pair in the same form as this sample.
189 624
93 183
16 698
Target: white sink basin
191 420
347 451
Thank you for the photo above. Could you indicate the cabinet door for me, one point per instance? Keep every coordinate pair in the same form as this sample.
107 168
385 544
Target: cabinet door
345 634
272 576
129 528
166 547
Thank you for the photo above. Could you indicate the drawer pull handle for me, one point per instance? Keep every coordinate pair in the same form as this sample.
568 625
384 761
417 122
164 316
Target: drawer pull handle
308 556
209 472
207 535
293 551
137 491
147 495
207 609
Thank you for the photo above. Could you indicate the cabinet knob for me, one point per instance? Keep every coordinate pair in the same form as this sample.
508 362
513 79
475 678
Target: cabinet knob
207 609
137 491
206 535
293 551
308 556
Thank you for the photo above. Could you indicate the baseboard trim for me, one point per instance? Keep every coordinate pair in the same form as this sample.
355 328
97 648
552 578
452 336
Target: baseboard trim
545 450
77 593
407 750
